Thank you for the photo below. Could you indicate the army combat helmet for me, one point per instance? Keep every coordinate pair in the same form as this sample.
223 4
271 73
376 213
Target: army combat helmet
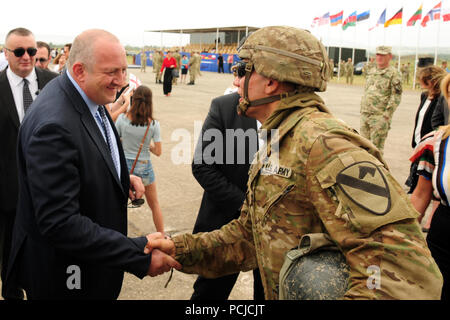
316 270
286 54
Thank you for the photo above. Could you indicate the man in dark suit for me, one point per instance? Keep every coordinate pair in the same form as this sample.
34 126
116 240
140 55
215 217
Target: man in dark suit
69 239
20 51
221 167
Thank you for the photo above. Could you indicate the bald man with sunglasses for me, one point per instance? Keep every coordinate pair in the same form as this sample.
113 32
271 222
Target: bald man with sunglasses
20 83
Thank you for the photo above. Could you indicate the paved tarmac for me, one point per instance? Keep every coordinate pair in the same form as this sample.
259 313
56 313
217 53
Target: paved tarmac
179 194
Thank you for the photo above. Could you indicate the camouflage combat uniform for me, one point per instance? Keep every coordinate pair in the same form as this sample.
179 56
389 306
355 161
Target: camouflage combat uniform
157 63
367 67
143 61
382 95
304 188
349 69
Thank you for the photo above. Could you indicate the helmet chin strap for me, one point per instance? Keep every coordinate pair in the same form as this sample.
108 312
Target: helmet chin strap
246 103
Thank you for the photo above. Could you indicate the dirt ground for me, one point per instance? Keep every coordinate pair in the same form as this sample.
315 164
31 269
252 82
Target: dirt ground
180 194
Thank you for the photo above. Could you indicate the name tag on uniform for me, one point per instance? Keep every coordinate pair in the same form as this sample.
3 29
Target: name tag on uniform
270 168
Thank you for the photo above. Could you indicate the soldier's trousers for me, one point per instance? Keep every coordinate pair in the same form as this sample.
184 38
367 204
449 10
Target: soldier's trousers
191 77
375 127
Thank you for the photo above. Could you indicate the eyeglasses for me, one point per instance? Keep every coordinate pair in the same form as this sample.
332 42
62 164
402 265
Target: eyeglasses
21 51
41 60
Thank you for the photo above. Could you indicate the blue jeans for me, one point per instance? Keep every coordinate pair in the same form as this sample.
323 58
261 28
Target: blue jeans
143 169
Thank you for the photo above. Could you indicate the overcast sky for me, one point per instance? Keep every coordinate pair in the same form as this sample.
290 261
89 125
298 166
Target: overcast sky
61 21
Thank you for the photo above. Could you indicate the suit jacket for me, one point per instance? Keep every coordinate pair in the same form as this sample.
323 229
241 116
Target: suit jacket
9 129
72 212
224 184
440 114
427 124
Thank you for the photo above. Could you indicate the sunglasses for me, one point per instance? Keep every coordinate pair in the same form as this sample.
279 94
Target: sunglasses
239 69
21 51
41 60
136 203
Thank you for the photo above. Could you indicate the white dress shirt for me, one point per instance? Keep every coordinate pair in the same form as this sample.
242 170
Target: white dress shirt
16 84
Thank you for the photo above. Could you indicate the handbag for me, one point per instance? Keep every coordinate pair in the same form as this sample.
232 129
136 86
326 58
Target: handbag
140 149
175 73
138 202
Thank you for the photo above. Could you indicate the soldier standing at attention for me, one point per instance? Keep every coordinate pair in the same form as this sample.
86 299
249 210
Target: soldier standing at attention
194 67
143 61
177 57
157 63
382 95
405 73
314 176
341 68
349 71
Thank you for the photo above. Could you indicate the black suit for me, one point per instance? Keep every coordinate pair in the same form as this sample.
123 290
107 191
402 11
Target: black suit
9 129
224 183
72 206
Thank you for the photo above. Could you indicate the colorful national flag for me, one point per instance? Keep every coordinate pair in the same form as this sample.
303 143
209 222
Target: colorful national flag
336 19
134 81
446 15
415 17
396 19
315 22
433 14
325 19
381 20
363 16
350 21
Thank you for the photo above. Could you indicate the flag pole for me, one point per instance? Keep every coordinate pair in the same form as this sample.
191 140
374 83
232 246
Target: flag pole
400 47
354 41
437 36
416 59
340 49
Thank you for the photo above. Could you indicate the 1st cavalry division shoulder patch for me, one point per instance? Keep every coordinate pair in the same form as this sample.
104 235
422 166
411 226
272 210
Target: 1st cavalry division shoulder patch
365 184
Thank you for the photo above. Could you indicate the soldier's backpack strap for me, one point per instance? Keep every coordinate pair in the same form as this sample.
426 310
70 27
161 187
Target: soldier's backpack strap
308 243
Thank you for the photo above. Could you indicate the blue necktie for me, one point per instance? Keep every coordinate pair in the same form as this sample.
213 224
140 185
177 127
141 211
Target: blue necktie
104 121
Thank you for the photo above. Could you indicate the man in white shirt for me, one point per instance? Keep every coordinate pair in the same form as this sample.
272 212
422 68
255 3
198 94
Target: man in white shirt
20 83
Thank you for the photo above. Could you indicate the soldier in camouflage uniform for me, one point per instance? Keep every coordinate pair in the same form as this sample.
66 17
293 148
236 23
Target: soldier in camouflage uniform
405 73
382 95
158 58
314 175
194 67
341 68
143 61
349 69
177 57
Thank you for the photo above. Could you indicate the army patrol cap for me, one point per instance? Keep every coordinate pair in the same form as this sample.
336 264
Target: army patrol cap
288 54
384 50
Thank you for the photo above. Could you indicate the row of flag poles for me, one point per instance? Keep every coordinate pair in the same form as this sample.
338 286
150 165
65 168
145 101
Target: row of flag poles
397 19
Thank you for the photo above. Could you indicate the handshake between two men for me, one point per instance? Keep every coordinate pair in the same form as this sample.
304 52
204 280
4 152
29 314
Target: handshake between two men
161 248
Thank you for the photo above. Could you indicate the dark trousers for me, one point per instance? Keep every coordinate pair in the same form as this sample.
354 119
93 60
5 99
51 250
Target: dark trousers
167 84
220 288
6 229
220 68
438 241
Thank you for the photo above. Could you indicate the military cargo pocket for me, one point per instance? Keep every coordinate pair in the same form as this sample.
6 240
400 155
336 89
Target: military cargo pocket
276 198
366 193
